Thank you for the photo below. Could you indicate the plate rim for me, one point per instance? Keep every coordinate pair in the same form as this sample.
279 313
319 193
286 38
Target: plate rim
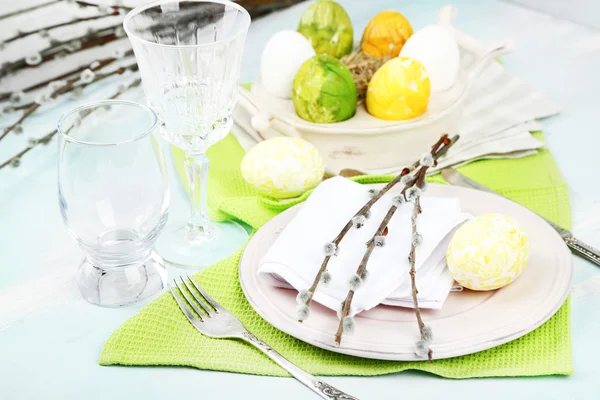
465 350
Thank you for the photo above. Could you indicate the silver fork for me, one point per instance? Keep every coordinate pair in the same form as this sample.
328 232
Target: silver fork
214 321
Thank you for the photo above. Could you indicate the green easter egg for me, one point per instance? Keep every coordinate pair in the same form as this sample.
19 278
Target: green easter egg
328 28
324 90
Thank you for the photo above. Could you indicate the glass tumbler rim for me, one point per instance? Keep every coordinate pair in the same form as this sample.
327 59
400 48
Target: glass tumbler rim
64 133
138 10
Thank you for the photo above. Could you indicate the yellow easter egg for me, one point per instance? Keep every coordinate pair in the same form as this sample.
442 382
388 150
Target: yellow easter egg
488 252
399 90
385 34
283 167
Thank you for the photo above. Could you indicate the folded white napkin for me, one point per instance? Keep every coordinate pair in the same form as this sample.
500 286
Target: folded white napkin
297 254
434 282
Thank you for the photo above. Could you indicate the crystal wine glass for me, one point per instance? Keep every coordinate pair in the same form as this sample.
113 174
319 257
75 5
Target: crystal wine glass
189 54
113 197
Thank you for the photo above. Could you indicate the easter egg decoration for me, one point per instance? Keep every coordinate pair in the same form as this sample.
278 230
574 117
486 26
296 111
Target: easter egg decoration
328 28
283 167
283 55
399 90
385 34
324 90
488 252
435 48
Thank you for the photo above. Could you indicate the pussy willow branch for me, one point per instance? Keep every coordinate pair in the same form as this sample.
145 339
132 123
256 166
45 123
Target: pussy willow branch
89 40
362 211
360 270
114 7
43 140
68 86
104 62
119 71
51 3
437 150
349 225
86 4
46 138
413 273
28 9
21 35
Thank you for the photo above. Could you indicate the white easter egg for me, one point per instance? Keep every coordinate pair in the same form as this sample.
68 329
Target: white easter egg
283 167
435 47
283 55
488 252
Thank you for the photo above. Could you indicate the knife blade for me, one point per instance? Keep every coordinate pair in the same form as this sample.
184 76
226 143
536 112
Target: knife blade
592 254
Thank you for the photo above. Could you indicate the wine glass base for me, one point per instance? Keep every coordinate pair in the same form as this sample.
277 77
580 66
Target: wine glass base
175 246
123 285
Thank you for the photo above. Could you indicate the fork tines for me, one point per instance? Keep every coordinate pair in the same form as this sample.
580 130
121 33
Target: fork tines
196 297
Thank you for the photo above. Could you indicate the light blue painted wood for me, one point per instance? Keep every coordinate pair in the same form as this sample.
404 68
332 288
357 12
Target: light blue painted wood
52 353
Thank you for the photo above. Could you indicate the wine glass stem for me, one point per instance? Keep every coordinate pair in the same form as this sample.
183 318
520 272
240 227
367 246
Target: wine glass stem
196 167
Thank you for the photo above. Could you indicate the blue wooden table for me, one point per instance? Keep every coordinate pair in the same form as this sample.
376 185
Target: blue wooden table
50 338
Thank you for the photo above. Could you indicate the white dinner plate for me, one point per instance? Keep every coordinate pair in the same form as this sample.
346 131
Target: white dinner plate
469 322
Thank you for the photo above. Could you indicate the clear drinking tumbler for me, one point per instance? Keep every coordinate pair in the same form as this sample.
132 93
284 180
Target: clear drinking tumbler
114 197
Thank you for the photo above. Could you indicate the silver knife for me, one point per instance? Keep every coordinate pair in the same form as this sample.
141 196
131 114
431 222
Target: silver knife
456 178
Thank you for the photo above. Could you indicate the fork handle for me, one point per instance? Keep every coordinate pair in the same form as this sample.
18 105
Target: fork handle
323 389
585 250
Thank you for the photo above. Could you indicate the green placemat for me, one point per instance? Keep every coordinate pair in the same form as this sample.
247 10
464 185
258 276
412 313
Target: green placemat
160 334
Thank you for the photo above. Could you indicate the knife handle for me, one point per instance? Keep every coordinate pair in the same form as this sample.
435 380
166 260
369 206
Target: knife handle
583 249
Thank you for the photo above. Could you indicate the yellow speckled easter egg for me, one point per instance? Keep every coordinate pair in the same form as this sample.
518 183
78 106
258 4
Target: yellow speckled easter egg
399 90
488 252
283 167
385 34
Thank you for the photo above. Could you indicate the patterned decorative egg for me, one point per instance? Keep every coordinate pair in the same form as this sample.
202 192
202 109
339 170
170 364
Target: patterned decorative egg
283 167
385 34
488 252
328 28
324 90
399 90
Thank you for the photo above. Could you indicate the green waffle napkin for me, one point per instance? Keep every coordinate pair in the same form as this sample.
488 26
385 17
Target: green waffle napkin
160 334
